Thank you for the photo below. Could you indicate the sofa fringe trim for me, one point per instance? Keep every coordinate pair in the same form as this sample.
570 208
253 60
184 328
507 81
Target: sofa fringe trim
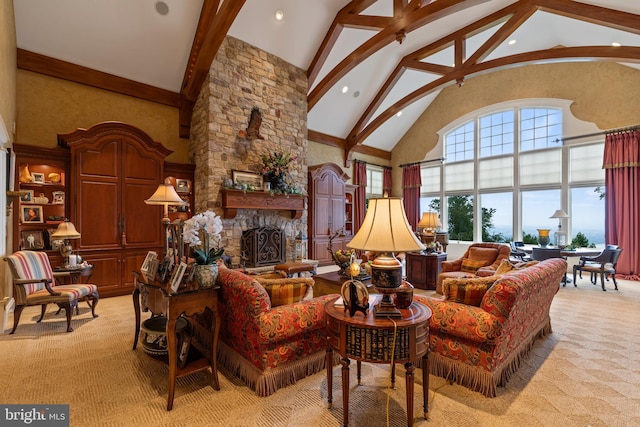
481 380
265 383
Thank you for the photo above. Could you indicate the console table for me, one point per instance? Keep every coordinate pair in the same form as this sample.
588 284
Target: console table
161 300
370 339
423 269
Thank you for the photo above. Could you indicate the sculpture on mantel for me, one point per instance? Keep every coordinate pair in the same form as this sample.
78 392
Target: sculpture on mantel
253 130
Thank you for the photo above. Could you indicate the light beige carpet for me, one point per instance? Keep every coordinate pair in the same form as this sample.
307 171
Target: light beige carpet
587 373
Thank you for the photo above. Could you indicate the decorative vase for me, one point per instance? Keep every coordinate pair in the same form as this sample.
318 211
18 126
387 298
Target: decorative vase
404 295
206 275
277 182
543 237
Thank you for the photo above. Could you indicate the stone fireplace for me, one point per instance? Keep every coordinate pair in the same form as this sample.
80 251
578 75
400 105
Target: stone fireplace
242 77
263 246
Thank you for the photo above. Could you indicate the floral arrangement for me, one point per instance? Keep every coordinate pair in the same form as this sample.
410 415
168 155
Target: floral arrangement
202 232
277 163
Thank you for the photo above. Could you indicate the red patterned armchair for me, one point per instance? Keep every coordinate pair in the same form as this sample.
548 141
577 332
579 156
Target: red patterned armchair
481 346
268 346
480 259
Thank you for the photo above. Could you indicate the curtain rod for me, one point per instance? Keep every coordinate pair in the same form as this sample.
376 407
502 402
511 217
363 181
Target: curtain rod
604 132
422 161
374 164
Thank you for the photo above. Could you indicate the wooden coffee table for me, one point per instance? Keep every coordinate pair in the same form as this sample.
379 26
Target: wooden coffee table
331 283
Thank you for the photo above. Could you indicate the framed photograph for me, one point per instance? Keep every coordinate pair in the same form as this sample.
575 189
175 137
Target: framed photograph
185 207
58 197
249 178
151 255
183 185
54 244
163 269
32 240
38 178
31 214
152 269
191 272
176 276
28 197
183 354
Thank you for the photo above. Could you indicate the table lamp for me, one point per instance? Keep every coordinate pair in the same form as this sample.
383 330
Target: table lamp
429 223
385 229
560 234
165 195
66 231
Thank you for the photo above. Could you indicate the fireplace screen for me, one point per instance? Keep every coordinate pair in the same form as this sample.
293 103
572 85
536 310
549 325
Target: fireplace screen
263 246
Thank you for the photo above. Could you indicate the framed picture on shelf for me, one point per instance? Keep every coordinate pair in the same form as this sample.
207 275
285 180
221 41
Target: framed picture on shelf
28 197
249 178
151 255
54 244
176 276
38 178
183 185
32 240
185 207
32 214
58 197
152 270
183 354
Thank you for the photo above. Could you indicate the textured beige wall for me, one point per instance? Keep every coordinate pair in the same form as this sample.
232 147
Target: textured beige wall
48 106
7 64
606 94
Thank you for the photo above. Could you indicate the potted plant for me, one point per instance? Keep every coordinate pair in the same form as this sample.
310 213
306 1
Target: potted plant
202 233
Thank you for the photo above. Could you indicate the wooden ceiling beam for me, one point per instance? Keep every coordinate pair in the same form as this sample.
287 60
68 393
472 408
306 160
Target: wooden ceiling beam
215 20
57 68
408 22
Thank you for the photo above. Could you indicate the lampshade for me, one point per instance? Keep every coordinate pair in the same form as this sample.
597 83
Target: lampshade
429 221
559 214
65 230
385 228
165 195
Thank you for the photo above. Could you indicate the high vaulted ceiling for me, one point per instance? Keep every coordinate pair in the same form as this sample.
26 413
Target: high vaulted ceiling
394 56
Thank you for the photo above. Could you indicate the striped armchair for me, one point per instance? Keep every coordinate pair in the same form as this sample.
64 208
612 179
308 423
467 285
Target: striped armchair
34 284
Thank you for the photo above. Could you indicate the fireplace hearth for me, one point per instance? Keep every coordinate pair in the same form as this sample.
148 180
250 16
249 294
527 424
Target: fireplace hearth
263 246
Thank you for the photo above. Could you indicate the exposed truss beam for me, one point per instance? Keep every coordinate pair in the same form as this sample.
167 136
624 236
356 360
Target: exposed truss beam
511 18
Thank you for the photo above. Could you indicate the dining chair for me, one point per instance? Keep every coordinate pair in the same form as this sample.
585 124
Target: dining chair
540 254
603 264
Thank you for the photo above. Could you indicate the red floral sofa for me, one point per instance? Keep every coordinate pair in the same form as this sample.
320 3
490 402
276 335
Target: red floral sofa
480 347
268 347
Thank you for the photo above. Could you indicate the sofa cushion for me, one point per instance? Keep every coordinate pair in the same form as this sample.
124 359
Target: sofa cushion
471 265
286 290
467 291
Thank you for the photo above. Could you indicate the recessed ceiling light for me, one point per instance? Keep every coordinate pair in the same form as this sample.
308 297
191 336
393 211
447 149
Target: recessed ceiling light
162 8
279 15
345 89
356 94
616 44
399 113
512 41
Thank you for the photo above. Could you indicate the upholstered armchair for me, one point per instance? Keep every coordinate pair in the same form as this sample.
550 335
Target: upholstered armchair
34 284
479 260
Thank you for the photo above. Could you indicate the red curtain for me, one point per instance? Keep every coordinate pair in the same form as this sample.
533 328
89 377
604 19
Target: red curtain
386 181
622 207
411 183
360 180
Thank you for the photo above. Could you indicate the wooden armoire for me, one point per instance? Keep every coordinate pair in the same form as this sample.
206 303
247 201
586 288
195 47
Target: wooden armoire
114 168
327 205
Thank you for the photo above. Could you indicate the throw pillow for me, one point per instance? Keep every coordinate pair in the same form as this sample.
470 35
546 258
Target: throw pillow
467 291
286 291
471 266
505 267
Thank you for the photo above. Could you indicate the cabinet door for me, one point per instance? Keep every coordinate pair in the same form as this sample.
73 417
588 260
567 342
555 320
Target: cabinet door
336 220
140 176
106 272
97 207
417 270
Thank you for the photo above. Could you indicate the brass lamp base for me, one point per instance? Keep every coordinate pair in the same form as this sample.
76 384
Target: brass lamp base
386 276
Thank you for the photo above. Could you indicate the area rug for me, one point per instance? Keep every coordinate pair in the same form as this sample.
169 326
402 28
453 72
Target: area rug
586 373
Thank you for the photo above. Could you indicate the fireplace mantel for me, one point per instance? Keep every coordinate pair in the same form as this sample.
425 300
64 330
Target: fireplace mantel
232 200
